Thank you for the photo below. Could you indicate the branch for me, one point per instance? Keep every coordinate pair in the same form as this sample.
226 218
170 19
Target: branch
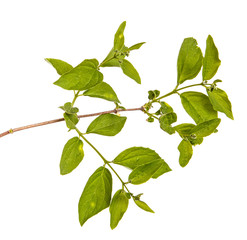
62 119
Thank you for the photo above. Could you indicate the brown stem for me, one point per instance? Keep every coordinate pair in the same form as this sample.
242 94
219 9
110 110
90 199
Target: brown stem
62 119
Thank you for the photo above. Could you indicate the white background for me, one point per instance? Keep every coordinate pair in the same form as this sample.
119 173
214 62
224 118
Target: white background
205 200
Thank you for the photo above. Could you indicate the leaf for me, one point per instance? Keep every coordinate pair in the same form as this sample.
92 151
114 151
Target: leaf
71 120
189 61
137 156
96 195
93 63
118 207
119 37
129 70
144 172
206 128
186 151
220 101
82 77
60 66
143 206
107 124
168 118
198 106
72 155
102 90
165 108
184 130
136 46
69 109
211 61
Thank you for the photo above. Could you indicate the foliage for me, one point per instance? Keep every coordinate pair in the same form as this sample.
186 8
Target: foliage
87 80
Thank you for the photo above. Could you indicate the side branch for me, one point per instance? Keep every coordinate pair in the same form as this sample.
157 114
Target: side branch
62 119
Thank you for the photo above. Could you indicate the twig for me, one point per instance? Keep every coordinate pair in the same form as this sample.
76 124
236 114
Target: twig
62 119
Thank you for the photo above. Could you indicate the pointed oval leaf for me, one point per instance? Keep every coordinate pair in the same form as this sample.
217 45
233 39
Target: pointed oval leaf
220 101
130 71
71 120
82 77
136 46
186 152
143 173
102 90
136 156
143 206
211 61
72 155
107 124
118 207
93 63
60 66
119 37
96 195
198 106
206 128
189 61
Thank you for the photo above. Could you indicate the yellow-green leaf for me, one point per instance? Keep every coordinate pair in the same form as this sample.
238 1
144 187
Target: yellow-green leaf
60 66
118 207
220 101
107 124
186 151
211 61
96 195
102 90
130 71
72 155
189 61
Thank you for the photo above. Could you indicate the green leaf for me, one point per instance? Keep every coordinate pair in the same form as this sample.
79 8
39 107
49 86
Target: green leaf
206 128
165 108
72 155
168 118
69 109
136 46
118 207
82 77
109 61
93 63
184 130
211 61
144 172
129 70
119 37
71 120
137 156
143 206
220 101
198 106
60 66
102 90
186 151
96 195
189 61
107 124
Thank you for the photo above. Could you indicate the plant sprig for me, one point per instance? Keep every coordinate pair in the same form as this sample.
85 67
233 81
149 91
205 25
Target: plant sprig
87 80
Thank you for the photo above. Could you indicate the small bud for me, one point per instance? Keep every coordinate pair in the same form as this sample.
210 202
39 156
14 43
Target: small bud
193 136
150 119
